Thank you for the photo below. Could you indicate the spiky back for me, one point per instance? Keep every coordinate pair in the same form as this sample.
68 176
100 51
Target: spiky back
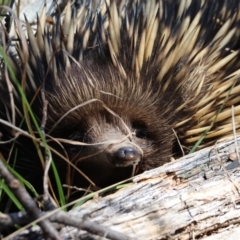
168 64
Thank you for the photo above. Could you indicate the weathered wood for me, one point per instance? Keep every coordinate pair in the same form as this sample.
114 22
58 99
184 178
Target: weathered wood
194 197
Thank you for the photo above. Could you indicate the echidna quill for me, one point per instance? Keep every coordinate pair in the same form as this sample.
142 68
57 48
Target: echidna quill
112 84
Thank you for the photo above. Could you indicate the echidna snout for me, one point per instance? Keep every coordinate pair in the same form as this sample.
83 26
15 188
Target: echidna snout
109 141
123 155
110 150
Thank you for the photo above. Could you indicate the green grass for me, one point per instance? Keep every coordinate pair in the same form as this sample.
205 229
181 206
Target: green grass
28 118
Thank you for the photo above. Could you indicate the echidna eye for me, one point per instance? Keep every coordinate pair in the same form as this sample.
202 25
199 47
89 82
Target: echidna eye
140 129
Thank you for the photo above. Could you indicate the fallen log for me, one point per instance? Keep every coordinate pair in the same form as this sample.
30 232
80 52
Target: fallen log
196 197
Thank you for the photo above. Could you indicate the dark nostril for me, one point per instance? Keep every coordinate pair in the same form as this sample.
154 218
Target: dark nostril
126 154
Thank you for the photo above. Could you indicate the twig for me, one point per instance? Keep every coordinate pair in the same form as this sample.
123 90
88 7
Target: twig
28 203
62 217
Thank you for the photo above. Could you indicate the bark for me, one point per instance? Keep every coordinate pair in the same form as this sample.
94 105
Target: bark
196 197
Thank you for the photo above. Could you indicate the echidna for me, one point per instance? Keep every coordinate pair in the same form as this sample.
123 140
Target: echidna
111 82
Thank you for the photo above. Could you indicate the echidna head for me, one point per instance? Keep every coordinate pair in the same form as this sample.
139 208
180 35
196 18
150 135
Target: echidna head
111 123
